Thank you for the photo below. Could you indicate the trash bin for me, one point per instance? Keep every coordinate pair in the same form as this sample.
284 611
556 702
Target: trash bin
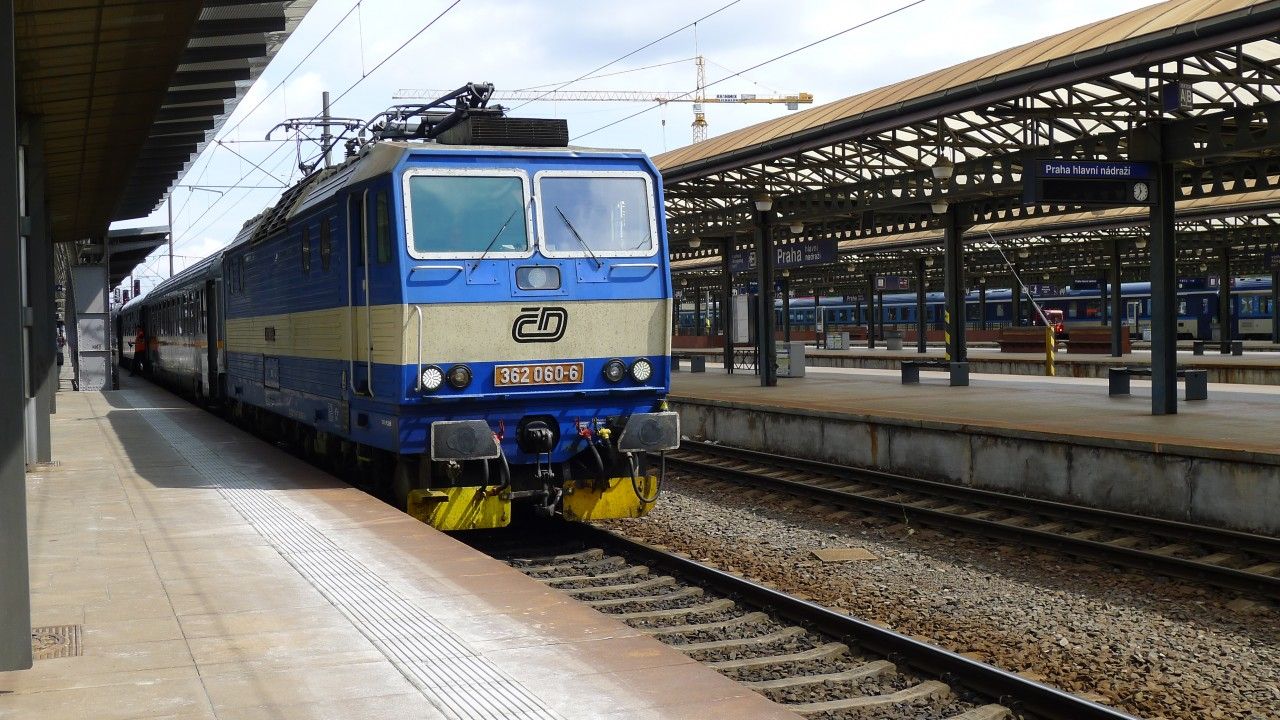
893 340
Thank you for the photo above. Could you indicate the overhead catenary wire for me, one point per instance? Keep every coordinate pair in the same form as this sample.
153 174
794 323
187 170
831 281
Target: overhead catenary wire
344 93
759 65
646 46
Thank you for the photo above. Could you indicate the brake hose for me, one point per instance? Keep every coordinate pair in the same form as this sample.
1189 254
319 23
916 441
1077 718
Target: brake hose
635 479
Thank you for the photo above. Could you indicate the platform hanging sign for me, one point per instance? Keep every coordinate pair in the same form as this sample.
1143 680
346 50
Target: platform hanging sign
1273 261
818 251
892 282
1090 182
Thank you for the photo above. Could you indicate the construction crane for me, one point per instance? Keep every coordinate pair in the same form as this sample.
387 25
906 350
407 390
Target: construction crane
698 97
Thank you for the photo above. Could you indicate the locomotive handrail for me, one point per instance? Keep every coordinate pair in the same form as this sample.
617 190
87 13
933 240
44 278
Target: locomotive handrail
368 301
417 384
455 268
653 266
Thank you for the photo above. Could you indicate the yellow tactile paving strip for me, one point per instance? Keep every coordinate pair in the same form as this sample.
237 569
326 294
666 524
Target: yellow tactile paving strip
191 611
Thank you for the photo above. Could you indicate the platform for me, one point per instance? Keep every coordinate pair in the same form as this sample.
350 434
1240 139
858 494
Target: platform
1216 461
1256 367
210 575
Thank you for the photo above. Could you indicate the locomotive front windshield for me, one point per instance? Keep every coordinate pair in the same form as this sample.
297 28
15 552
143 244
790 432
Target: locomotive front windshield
596 214
467 214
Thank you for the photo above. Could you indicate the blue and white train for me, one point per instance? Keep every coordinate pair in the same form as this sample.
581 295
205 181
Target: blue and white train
464 315
1252 309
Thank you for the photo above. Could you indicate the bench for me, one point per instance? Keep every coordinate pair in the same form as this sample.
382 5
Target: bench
959 371
697 362
1096 341
1196 381
1022 339
1197 346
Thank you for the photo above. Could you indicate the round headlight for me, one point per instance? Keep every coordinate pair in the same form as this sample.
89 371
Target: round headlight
614 370
432 378
641 370
459 376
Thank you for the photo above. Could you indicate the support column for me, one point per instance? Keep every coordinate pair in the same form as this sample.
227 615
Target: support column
1164 297
955 310
1117 300
871 312
786 310
726 303
1102 298
880 313
766 356
15 594
1015 298
1224 301
982 302
1275 306
922 344
697 310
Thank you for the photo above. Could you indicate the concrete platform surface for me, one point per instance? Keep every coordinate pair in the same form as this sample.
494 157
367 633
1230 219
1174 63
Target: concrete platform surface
1216 461
1237 421
213 576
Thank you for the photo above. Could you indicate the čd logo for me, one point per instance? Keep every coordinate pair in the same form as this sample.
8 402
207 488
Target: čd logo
540 324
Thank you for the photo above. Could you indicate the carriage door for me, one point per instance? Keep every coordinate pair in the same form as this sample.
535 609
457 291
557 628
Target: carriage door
360 366
1132 308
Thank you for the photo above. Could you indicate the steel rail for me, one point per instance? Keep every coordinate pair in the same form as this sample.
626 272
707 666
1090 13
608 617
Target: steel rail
1266 547
1013 691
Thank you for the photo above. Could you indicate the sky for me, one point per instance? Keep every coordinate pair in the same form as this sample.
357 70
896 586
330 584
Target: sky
520 44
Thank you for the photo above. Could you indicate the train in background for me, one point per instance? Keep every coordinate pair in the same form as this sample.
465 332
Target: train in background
464 316
1251 307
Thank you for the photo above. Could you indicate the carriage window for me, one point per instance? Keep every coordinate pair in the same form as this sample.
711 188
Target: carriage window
306 250
382 216
467 214
326 244
610 215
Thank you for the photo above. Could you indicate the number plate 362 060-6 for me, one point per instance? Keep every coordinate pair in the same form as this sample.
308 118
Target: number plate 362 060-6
537 374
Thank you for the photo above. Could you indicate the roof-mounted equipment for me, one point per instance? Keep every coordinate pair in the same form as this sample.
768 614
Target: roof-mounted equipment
470 121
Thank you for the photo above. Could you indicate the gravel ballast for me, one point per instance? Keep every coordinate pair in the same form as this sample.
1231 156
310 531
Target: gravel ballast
1153 647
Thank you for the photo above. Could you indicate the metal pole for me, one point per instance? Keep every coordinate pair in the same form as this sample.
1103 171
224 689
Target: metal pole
15 593
1224 301
1164 297
1117 309
955 304
726 303
1275 307
921 280
168 203
982 303
697 310
871 312
765 343
1102 298
326 137
786 310
1015 298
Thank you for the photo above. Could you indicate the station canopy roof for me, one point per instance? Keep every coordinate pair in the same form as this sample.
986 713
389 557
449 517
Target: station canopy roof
861 170
127 92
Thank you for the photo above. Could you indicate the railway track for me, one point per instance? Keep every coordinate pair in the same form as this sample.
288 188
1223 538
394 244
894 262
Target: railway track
1235 560
817 662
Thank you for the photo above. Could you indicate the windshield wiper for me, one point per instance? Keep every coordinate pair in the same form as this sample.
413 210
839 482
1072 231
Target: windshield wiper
494 240
578 237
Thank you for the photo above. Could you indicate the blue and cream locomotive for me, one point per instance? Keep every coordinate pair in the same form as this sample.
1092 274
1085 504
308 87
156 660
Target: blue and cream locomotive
464 315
